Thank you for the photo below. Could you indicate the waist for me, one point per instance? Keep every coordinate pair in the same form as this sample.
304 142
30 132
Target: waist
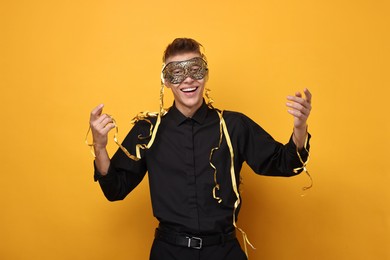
193 241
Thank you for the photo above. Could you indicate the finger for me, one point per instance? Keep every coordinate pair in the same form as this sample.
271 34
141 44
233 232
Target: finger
96 112
296 99
100 122
297 114
101 131
298 107
308 95
104 120
297 103
100 136
107 128
300 100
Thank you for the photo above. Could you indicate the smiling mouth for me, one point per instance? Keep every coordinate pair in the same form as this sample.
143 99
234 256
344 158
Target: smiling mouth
189 90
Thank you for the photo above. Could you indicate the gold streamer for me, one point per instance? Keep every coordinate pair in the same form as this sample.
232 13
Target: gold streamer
223 128
234 184
91 145
216 187
304 164
141 116
138 147
210 100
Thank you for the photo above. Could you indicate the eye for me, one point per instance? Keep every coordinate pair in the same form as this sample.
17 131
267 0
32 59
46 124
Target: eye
195 69
177 72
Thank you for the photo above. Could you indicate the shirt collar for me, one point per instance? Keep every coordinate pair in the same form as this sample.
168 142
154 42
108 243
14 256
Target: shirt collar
199 116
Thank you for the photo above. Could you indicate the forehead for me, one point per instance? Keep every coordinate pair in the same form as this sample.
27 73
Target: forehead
182 57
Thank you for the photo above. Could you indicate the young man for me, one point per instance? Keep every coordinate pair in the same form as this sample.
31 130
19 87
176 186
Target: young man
193 155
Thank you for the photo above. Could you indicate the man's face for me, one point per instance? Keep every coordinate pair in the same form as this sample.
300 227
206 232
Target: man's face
188 93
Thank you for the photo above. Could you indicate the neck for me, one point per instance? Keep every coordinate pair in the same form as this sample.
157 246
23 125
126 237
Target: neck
188 111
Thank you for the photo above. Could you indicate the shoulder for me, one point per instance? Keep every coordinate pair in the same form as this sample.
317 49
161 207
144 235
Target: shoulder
234 117
143 122
241 123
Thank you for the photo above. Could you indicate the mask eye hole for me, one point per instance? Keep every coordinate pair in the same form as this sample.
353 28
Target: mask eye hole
177 72
195 69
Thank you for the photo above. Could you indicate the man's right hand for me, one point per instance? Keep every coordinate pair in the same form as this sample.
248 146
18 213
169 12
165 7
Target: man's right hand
100 124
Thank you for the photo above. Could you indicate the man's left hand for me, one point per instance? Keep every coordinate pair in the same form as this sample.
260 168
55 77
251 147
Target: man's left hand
300 107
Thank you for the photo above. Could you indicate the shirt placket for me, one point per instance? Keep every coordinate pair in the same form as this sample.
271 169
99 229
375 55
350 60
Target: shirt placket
191 170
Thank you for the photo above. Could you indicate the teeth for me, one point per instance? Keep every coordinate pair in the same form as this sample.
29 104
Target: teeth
188 89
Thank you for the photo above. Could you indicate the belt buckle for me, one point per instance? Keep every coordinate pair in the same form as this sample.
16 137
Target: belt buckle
197 239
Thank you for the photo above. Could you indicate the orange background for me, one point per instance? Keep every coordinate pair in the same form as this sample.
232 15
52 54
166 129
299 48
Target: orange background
59 59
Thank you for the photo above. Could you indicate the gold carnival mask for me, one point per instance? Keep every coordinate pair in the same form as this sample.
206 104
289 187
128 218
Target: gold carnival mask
177 71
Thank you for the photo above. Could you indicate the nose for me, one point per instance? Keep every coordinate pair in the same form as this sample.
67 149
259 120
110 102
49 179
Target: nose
188 80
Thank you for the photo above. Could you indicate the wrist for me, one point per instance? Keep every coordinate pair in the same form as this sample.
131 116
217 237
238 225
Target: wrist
99 149
301 128
299 136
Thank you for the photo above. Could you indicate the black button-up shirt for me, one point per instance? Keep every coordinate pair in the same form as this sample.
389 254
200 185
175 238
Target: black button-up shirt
181 178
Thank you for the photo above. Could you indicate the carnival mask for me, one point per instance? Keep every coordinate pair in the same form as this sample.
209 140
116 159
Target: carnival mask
177 71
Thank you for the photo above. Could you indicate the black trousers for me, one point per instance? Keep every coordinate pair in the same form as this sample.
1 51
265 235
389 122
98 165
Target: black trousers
230 250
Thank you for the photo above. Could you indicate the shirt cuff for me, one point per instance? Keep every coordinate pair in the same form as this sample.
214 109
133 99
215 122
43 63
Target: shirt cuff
97 175
304 151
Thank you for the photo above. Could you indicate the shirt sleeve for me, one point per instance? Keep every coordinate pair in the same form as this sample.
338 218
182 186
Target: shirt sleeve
263 153
124 174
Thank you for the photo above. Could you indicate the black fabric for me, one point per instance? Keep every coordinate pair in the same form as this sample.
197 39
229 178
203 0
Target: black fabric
181 178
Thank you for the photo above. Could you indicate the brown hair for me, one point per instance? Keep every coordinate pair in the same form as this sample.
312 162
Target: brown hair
182 45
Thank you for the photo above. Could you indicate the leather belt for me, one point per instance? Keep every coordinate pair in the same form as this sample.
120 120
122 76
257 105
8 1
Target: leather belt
195 242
